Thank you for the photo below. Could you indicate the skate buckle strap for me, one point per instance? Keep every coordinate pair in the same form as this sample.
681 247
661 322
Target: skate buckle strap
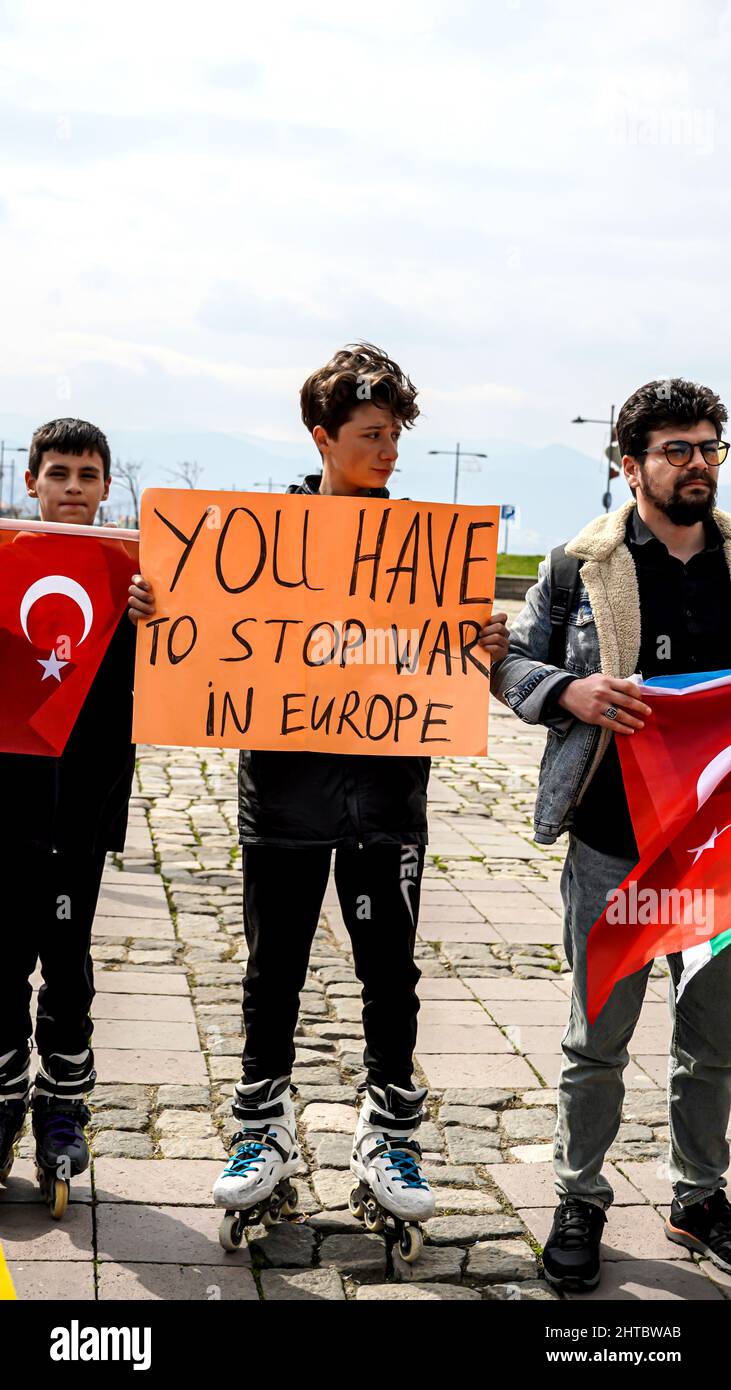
271 1111
410 1122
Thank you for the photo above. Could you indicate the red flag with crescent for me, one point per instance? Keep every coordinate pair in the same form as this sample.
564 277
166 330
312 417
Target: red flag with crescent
62 594
677 776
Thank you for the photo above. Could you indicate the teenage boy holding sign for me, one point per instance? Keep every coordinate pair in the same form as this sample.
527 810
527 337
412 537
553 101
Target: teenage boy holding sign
294 810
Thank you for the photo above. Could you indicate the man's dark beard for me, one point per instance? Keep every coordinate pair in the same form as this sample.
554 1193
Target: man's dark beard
678 509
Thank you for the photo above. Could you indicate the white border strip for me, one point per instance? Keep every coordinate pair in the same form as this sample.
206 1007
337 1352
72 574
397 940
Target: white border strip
66 528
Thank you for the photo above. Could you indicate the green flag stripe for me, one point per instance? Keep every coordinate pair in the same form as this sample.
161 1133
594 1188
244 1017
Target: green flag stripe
718 942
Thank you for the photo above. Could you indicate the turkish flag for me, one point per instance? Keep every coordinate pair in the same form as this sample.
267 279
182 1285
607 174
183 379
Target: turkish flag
676 775
61 597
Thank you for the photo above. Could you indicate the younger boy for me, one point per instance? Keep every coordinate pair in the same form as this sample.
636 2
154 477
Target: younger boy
58 818
294 810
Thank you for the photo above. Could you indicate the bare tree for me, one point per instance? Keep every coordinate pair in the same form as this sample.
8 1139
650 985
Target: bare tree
128 475
188 472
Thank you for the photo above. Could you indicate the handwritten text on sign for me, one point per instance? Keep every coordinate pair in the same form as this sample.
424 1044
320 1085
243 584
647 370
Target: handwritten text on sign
335 624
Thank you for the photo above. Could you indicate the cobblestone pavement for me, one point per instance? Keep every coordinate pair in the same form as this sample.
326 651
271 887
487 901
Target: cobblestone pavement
494 991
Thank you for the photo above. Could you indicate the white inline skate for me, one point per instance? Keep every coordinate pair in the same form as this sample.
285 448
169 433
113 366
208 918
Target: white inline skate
254 1186
386 1159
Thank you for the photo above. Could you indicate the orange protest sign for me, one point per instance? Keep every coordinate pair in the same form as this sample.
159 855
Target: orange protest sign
334 624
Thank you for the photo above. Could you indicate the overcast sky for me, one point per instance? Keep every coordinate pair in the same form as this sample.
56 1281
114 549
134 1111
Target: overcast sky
524 202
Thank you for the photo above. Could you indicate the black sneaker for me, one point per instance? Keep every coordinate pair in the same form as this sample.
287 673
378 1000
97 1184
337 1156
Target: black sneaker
571 1255
704 1228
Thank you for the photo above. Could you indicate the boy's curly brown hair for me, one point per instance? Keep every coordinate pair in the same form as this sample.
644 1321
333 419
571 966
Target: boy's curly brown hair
359 373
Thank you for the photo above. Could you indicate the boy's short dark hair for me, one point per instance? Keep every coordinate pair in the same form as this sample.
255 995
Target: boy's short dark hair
359 373
660 404
68 437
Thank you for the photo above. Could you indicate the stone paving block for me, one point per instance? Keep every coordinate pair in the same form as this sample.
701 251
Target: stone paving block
474 1070
331 1119
187 1182
150 1067
532 1184
438 1013
447 988
143 1008
360 1256
436 1264
139 1282
531 1153
471 1116
524 1012
287 1244
131 1034
490 1097
21 1185
140 982
465 1230
650 1280
125 1119
123 1144
334 1151
52 1280
458 931
161 1234
472 1146
183 1097
532 1290
434 1293
144 900
332 1187
449 1038
126 928
498 1261
630 1233
458 1200
542 933
188 1134
292 1285
656 1067
535 1122
29 1233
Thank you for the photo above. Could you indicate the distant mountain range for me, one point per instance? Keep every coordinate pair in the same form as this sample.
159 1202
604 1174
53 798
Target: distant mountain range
557 488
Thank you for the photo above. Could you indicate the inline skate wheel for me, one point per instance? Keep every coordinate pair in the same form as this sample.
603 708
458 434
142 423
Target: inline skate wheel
289 1205
411 1244
58 1197
355 1206
231 1231
271 1217
373 1220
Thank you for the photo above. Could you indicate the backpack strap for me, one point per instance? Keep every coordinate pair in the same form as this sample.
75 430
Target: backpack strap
564 583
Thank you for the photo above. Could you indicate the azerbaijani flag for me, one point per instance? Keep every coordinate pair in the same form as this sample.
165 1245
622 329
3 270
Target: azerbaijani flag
677 778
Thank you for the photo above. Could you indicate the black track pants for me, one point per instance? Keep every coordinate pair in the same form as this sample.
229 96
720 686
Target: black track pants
379 891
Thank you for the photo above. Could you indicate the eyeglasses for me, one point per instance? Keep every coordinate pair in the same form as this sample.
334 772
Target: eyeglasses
678 452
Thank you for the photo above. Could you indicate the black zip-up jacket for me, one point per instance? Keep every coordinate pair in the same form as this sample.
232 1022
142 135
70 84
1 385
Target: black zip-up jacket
331 799
79 802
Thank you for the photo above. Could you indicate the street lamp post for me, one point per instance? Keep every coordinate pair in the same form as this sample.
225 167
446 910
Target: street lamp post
457 454
580 420
10 449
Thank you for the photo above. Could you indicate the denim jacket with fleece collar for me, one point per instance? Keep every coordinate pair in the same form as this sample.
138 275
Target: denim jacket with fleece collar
602 634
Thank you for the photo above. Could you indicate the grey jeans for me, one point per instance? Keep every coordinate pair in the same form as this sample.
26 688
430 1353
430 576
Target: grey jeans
591 1086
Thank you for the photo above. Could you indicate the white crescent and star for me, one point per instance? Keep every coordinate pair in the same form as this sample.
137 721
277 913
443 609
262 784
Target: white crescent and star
710 778
69 588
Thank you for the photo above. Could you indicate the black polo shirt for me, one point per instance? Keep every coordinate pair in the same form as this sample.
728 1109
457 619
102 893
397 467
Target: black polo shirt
685 617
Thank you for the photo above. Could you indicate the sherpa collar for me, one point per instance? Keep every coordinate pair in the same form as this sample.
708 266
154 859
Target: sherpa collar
605 533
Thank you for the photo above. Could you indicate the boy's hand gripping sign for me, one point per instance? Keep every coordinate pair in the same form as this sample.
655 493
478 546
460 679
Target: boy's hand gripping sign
334 624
